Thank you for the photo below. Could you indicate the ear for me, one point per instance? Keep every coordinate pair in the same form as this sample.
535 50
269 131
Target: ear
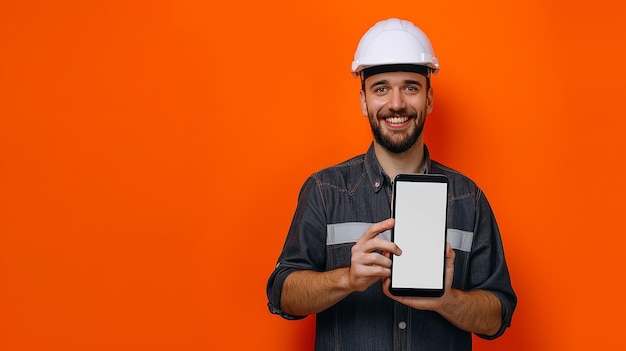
363 103
429 100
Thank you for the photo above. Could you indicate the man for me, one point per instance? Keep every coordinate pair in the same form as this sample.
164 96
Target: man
336 259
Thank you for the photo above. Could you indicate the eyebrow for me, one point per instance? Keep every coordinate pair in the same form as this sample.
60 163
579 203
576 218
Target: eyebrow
385 81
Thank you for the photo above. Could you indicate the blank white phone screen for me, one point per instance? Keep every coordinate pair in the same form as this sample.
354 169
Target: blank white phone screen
420 214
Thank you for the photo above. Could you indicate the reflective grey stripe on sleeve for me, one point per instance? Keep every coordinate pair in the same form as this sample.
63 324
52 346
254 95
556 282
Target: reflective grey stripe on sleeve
342 233
460 239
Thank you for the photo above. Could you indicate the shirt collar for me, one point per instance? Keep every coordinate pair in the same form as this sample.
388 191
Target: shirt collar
377 175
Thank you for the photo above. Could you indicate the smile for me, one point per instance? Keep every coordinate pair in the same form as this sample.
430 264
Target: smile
396 120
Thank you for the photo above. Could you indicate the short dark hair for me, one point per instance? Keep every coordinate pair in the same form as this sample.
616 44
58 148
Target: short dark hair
370 71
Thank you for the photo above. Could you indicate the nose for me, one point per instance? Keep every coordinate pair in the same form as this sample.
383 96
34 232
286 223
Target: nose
396 101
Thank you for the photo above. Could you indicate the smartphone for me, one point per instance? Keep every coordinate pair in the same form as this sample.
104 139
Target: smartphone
420 207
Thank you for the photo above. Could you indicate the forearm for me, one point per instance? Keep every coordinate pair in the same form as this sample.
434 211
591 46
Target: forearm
309 292
476 311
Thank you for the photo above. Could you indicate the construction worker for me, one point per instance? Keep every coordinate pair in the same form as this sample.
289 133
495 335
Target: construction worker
336 260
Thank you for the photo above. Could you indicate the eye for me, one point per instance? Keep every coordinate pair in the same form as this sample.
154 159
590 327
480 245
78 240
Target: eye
412 89
381 90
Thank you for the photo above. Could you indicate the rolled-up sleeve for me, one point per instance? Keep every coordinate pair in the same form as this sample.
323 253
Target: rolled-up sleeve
488 268
305 246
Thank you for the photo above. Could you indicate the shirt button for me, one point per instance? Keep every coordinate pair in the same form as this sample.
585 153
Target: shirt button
377 184
402 325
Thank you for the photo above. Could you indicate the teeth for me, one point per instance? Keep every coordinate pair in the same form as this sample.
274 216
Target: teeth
397 119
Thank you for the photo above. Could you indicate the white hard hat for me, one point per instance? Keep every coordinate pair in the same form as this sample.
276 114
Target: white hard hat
394 41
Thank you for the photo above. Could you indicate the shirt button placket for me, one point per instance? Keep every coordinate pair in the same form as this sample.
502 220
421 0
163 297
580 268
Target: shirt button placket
400 332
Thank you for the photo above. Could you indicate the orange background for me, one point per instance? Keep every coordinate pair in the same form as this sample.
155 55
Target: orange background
151 153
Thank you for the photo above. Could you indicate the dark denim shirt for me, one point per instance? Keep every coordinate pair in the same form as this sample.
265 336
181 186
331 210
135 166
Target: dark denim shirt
335 206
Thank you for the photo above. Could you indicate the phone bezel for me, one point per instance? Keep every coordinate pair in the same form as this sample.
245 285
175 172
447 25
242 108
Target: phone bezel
427 178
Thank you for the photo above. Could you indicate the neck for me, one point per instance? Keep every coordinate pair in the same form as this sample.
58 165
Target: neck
410 161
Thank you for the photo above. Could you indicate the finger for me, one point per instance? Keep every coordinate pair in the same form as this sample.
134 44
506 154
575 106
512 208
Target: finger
377 228
450 254
378 272
371 264
379 244
369 273
386 285
376 259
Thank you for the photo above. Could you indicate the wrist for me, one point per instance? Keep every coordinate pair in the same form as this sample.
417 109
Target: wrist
343 280
449 301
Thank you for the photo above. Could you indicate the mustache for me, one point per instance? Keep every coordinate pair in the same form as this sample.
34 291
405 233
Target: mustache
401 113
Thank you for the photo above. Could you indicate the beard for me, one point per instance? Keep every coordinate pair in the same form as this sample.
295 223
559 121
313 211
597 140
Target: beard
397 142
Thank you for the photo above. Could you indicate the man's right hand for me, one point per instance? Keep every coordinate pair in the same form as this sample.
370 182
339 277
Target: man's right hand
371 256
308 292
